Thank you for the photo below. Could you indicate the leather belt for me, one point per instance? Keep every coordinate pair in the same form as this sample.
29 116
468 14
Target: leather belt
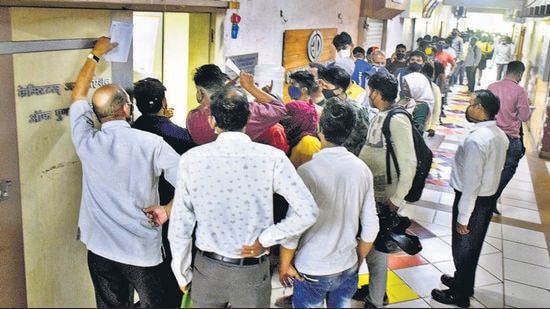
234 261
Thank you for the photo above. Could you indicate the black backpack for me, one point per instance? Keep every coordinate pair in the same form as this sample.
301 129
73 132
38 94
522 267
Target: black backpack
424 155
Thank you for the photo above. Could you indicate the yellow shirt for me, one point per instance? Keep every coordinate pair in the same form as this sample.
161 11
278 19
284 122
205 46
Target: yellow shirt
304 150
486 47
354 91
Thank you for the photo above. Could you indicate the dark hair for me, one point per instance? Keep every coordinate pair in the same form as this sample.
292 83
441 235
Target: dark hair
401 45
337 120
358 49
210 77
386 84
305 79
149 93
321 69
337 76
341 40
515 67
230 109
489 101
418 53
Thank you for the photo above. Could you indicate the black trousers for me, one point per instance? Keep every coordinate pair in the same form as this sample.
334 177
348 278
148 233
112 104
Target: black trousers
112 281
471 76
466 249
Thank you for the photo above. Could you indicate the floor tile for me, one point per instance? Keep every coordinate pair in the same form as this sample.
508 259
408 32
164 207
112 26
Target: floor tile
523 235
525 253
422 279
490 296
528 274
524 296
397 261
435 250
492 263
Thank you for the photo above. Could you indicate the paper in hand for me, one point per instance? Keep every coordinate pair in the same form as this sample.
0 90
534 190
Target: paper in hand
121 33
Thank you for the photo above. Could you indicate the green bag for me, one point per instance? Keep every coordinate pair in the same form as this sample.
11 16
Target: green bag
186 299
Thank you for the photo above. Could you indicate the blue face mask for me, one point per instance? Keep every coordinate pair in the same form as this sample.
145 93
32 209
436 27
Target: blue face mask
294 92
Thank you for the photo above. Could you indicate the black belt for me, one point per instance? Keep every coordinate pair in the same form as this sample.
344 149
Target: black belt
234 261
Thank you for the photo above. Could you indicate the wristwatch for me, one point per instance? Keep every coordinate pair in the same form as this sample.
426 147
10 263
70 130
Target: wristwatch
92 56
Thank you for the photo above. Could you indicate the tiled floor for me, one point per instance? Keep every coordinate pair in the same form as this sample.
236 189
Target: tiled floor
514 268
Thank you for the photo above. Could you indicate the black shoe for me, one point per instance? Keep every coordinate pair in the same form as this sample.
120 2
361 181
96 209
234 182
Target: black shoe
447 297
362 293
284 301
449 281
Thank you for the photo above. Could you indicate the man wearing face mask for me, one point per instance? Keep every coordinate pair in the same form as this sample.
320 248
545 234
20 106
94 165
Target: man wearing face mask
414 64
383 92
335 81
398 59
344 45
378 59
475 176
302 118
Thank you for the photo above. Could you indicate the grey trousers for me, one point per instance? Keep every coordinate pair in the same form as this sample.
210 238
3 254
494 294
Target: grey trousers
216 284
377 263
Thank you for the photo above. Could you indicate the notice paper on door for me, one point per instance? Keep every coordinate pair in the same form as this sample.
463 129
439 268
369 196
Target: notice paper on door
121 33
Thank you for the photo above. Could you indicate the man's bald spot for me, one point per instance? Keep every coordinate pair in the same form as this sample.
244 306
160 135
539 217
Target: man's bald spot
103 99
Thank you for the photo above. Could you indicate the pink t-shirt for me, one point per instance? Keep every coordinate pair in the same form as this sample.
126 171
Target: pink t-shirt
262 116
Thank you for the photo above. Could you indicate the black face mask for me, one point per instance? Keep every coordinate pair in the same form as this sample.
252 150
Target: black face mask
415 67
470 118
400 56
329 93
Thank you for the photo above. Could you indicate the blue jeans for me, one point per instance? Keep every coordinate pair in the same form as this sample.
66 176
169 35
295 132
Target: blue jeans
459 73
336 289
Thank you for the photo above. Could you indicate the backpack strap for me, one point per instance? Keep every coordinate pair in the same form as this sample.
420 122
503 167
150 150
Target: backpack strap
390 152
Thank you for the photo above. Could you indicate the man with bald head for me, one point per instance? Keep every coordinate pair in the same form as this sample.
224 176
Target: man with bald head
121 167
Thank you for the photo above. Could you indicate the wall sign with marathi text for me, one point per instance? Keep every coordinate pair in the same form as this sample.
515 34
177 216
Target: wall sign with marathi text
40 115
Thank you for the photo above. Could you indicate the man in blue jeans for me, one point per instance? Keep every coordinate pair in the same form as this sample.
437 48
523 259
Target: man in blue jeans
514 110
323 263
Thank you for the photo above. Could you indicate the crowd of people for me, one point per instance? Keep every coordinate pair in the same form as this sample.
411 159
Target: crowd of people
252 182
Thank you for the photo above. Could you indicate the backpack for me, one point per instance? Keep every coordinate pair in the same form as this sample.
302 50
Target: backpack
424 155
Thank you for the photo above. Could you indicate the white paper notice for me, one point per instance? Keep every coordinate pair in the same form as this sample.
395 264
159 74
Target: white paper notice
121 33
230 64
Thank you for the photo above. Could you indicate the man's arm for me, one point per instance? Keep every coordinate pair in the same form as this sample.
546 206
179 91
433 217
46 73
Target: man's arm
82 85
261 96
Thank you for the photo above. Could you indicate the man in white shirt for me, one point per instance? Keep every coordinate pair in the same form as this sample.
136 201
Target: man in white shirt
225 190
475 176
323 265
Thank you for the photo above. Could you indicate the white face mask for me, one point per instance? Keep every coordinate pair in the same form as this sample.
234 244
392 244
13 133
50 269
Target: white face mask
344 53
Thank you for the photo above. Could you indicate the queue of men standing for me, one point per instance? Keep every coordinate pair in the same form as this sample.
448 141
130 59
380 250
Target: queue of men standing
165 209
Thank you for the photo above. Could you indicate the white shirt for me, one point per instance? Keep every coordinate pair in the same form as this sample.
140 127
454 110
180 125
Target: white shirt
343 189
226 188
477 166
121 167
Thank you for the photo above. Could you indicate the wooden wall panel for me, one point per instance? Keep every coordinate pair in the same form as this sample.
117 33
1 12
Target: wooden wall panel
295 51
